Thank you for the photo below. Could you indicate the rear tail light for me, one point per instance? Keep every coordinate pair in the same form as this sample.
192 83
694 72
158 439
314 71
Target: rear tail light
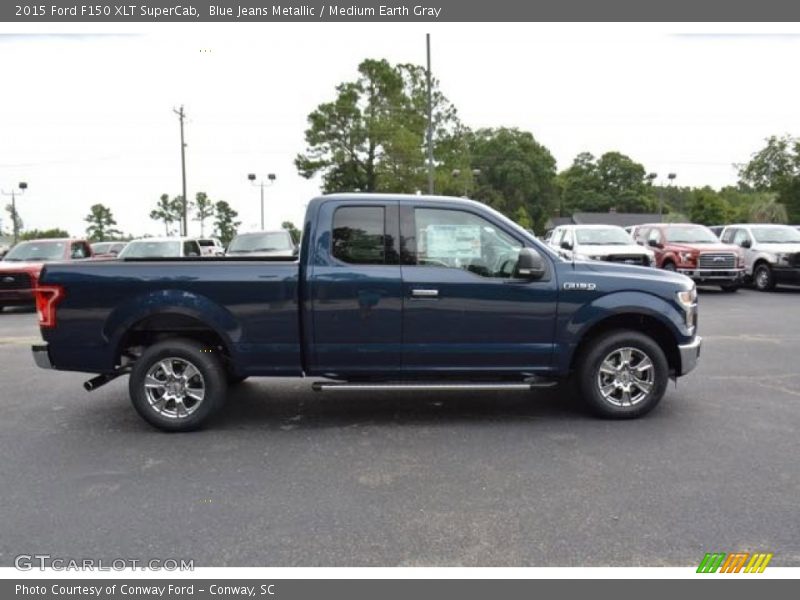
47 298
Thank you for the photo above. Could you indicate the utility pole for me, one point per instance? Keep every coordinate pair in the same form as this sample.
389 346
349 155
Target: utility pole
14 217
430 117
184 221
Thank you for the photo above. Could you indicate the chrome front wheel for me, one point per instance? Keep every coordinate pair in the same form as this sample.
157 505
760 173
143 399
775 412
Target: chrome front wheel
622 374
626 377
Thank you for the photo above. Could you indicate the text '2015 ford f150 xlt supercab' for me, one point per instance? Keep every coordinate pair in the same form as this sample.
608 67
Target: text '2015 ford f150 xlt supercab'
388 292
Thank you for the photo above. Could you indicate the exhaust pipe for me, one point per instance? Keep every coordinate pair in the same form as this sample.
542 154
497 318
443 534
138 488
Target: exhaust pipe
100 380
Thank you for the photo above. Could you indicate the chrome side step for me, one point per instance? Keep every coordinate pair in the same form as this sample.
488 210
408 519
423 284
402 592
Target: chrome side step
336 386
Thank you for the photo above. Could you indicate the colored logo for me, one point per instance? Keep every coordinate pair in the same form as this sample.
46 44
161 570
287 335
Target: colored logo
736 562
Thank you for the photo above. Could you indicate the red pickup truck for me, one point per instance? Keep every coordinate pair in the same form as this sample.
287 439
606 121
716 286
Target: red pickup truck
694 251
20 268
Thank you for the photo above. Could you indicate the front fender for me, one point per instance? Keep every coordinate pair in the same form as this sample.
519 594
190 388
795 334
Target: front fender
182 302
574 327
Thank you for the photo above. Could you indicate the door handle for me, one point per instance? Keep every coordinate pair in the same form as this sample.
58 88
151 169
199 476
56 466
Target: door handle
425 293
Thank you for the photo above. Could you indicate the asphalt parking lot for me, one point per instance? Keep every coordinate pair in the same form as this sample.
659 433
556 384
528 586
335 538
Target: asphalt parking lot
287 477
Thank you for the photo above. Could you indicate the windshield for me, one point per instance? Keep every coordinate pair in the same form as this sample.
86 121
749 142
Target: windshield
151 249
615 236
206 243
34 251
776 235
101 248
261 242
691 234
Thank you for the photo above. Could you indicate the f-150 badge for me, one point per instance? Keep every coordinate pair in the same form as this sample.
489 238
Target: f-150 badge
582 286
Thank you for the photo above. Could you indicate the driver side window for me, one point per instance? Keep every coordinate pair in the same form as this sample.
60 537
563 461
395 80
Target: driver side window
741 236
460 240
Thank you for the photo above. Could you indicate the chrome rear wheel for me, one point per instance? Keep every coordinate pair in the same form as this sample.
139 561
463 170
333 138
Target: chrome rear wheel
174 388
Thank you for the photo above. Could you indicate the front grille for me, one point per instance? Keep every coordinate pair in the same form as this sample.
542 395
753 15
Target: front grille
794 259
717 260
15 281
630 259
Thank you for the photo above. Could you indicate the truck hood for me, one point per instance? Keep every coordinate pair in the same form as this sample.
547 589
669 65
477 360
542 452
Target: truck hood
7 266
263 253
779 248
702 247
634 273
607 249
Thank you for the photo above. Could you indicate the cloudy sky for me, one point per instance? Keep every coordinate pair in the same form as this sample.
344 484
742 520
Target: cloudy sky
87 110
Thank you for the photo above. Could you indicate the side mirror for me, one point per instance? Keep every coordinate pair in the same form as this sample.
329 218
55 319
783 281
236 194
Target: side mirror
566 245
746 244
653 243
530 264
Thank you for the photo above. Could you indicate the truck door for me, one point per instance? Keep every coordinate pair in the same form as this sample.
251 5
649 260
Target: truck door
464 311
356 290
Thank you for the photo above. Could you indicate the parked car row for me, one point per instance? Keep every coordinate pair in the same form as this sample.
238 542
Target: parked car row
22 265
764 254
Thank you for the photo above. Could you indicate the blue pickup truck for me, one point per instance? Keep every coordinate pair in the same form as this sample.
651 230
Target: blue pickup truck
388 292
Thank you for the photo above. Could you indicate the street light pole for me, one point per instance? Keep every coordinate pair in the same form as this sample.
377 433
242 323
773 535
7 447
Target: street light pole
270 180
670 178
14 218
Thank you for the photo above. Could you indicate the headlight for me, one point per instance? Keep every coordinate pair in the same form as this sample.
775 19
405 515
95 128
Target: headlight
577 256
688 301
686 257
596 257
688 297
782 257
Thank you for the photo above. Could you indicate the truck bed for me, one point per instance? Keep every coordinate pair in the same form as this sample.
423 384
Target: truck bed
251 304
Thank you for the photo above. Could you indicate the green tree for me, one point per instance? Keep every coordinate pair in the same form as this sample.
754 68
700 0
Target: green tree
225 222
168 211
776 168
613 181
203 210
293 231
707 207
513 173
16 220
40 234
768 210
371 136
101 224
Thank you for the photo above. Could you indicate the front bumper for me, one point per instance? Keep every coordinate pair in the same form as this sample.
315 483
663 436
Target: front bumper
41 356
700 275
16 297
689 354
786 274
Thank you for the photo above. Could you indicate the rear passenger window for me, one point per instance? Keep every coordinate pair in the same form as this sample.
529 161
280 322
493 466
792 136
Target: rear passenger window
359 235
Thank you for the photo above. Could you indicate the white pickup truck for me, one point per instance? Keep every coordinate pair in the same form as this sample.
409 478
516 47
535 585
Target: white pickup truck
771 252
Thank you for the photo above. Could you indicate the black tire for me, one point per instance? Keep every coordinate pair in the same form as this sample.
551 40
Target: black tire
729 288
669 266
180 351
606 346
763 278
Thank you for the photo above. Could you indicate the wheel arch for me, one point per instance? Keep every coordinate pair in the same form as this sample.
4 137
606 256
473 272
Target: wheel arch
640 322
143 321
